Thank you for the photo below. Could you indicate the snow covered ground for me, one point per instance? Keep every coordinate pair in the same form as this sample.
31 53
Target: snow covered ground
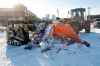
74 56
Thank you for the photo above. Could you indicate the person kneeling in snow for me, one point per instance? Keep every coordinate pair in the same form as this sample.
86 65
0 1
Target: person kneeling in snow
37 39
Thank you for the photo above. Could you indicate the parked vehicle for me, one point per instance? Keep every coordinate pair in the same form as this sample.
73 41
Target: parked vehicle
78 20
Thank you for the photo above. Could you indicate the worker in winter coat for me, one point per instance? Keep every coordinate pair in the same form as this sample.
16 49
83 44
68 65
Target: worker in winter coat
62 30
66 31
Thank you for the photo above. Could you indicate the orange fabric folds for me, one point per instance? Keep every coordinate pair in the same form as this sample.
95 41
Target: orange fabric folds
65 30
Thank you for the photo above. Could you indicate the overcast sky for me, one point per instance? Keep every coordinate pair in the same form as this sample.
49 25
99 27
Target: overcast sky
43 7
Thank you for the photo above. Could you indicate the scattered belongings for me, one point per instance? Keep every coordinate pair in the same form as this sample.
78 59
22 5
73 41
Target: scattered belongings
57 30
18 34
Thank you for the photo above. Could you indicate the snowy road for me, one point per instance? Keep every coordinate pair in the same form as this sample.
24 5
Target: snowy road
75 56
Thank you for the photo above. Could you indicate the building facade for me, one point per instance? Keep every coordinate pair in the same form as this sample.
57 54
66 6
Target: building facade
17 14
95 19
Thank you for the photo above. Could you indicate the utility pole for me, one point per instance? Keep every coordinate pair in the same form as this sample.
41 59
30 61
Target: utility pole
89 13
68 13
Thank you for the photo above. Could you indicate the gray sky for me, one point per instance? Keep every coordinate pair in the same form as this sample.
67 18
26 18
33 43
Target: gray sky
43 7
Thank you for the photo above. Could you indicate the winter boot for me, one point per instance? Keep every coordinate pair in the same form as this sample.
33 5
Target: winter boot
29 47
86 43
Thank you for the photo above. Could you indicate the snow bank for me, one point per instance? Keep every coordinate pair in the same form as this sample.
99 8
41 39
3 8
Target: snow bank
75 55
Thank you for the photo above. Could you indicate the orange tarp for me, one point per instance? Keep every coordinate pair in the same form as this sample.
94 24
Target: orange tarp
64 30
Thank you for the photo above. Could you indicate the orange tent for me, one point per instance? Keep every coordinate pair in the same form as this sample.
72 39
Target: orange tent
64 30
